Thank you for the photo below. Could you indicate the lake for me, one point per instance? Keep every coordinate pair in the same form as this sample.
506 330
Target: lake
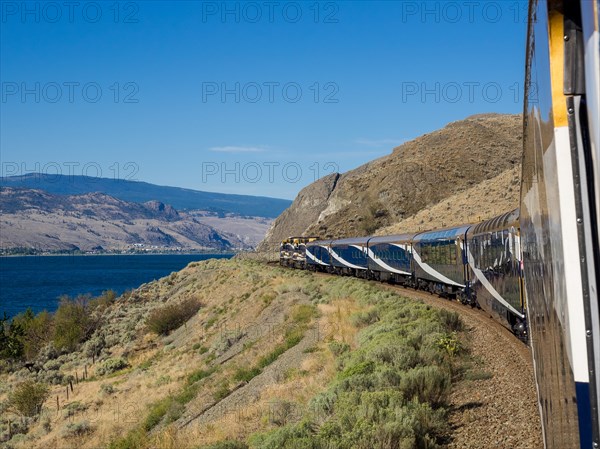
38 281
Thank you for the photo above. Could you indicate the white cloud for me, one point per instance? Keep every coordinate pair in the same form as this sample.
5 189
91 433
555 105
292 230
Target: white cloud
380 142
238 149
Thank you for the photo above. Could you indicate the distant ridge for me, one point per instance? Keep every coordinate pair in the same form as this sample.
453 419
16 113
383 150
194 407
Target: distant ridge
142 192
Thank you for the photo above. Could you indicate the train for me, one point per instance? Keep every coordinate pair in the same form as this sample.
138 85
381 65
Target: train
536 269
477 264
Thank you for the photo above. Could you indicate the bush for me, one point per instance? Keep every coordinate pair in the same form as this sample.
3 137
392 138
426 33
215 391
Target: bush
112 366
362 319
28 397
74 408
36 331
246 374
77 429
107 388
428 384
167 318
338 348
156 413
199 375
450 343
72 323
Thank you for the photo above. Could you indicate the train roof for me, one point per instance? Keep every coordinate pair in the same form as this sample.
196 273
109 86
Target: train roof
392 238
351 241
319 242
505 221
442 234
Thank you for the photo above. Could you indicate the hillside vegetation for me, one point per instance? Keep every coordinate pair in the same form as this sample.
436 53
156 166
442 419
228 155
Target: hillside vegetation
466 169
234 354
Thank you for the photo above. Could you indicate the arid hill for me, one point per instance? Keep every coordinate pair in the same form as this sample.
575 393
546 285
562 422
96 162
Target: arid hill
463 171
95 221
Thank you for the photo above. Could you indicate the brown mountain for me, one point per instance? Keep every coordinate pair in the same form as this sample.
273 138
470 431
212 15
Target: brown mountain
46 222
467 155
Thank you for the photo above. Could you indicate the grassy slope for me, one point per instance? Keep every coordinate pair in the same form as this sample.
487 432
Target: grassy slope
275 358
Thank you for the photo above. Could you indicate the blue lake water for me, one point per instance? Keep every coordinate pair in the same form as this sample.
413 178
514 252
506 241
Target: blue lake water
38 281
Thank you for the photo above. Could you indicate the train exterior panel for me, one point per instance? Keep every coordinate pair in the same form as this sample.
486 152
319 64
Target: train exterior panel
317 255
349 256
495 270
439 260
559 221
390 258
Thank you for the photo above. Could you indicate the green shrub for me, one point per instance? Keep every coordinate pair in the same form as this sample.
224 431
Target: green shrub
174 412
11 338
303 313
427 384
77 429
74 407
28 397
107 388
112 366
362 319
72 323
136 439
338 348
246 374
167 318
156 412
200 374
450 343
451 320
36 331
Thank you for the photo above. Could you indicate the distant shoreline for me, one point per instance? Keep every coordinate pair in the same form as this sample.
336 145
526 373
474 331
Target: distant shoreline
174 253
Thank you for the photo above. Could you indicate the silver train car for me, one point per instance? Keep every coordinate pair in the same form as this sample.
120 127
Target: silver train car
495 265
560 202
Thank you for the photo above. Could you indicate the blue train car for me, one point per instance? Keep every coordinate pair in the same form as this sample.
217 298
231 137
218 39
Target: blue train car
317 255
495 270
390 258
349 256
440 262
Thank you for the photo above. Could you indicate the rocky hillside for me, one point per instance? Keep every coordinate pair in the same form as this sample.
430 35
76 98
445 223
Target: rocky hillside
479 155
95 221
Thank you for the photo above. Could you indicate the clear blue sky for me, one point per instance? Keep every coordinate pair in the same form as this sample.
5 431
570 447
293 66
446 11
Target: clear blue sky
274 93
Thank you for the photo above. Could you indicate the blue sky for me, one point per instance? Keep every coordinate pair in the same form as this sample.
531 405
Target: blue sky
244 97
